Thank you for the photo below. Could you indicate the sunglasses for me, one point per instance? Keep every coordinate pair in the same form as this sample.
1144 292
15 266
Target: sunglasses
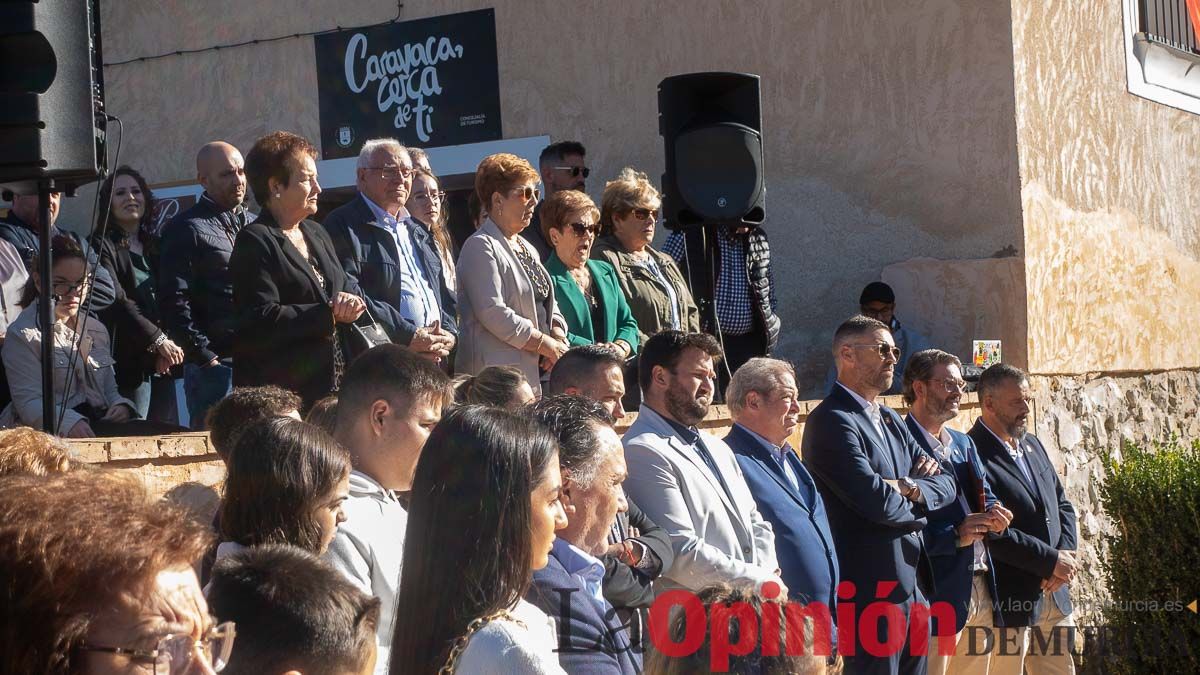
575 170
581 229
528 193
885 350
645 214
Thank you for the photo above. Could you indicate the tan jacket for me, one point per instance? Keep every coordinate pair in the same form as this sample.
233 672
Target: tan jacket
497 308
648 298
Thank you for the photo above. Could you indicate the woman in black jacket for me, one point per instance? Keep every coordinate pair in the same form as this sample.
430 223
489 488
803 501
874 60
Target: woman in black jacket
128 248
289 290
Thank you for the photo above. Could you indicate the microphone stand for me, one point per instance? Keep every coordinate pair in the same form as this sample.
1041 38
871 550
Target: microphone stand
46 307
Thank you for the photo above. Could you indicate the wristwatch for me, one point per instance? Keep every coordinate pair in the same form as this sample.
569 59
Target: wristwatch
906 486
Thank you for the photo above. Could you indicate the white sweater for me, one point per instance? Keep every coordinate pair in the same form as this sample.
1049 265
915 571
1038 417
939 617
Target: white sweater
369 550
506 647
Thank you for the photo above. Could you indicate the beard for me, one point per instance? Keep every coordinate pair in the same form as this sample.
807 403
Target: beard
684 407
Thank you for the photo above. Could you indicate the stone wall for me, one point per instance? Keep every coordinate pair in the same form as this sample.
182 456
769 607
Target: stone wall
1083 417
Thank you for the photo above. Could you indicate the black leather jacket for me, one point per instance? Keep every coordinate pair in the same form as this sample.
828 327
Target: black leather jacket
195 292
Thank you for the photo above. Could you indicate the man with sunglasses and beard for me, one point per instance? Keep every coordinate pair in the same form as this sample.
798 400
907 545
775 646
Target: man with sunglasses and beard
688 481
879 485
562 168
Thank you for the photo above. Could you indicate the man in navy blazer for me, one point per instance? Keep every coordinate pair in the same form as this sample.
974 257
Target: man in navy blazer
1035 557
762 399
955 537
591 637
878 486
392 257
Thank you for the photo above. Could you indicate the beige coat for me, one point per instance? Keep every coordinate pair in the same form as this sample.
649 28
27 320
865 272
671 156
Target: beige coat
497 308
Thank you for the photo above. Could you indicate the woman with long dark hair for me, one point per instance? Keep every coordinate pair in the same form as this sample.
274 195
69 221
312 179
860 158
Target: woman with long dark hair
286 485
485 506
128 247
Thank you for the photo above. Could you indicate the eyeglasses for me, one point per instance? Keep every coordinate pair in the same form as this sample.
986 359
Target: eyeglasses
529 193
176 653
581 229
885 350
645 214
65 288
392 173
438 196
575 170
952 385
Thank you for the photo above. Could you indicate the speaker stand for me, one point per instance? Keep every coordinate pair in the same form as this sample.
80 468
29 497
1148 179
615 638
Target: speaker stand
701 258
46 305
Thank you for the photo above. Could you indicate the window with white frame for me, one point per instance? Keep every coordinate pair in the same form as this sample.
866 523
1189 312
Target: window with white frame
1162 53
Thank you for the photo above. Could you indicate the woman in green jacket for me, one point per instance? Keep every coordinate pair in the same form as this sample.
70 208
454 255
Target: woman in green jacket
588 292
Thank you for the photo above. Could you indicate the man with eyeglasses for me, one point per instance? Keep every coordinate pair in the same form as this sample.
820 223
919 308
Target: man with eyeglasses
879 486
878 301
394 258
1035 557
562 167
956 535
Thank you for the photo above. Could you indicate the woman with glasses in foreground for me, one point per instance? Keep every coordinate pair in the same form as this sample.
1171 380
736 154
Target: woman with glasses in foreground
96 579
507 309
87 401
588 291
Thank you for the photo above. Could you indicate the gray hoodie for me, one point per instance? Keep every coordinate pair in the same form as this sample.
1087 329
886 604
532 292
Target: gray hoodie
369 549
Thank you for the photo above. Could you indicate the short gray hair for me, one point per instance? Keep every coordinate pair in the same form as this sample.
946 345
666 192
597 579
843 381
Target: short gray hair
920 366
375 144
760 375
995 377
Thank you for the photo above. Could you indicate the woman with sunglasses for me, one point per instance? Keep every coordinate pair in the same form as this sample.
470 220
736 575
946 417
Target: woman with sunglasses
96 578
508 315
87 401
588 291
658 296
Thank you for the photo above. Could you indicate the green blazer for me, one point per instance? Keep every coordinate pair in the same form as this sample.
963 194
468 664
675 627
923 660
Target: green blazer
618 320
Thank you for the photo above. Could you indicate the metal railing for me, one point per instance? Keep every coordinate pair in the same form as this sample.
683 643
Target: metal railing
1167 21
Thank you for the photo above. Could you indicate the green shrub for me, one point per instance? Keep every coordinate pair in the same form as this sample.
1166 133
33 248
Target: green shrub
1153 496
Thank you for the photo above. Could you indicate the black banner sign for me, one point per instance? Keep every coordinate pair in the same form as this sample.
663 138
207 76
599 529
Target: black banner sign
429 83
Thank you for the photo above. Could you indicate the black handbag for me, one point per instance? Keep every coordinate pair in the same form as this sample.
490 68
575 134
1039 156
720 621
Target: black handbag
362 336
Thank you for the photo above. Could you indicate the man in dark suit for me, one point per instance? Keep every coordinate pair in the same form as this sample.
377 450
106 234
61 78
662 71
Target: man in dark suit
392 258
1034 559
762 400
878 486
591 639
562 167
955 537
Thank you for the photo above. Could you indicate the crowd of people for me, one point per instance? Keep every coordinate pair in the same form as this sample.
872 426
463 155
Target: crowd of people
423 468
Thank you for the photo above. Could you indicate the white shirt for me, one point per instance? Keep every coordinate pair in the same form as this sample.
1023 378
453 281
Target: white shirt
418 302
369 550
869 407
780 453
941 448
524 643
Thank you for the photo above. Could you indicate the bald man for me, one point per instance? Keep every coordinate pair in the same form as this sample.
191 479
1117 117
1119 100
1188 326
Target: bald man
195 292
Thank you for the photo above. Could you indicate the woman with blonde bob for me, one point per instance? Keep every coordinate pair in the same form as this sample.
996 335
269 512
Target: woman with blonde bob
653 285
506 303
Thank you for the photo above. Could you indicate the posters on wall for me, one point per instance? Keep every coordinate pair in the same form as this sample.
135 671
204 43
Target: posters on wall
429 83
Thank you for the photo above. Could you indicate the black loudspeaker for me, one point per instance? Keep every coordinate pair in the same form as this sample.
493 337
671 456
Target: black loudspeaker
51 94
711 124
